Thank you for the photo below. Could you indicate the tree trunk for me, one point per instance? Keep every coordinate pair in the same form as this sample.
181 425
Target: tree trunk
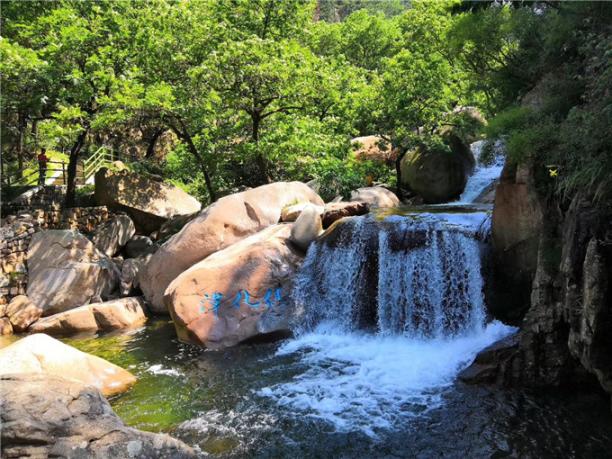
72 168
152 143
22 128
262 163
184 135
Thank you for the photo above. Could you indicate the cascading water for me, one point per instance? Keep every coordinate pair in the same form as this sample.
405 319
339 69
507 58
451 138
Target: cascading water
392 308
486 171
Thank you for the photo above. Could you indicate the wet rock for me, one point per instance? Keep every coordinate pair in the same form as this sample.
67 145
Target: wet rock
40 353
22 312
66 271
48 416
306 228
148 202
227 221
336 210
220 301
375 196
111 315
113 234
517 224
486 366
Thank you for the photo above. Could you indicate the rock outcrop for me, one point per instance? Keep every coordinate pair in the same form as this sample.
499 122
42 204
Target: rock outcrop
48 416
140 245
40 353
66 271
149 202
518 218
112 235
375 196
111 315
220 225
238 293
565 336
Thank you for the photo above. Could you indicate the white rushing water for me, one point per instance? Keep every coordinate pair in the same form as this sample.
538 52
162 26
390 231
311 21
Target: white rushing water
485 173
417 279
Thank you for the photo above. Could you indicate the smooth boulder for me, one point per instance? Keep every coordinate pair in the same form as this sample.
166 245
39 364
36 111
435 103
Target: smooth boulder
149 202
113 234
375 196
291 213
48 416
21 312
140 245
39 353
238 293
66 270
307 227
437 175
227 221
111 315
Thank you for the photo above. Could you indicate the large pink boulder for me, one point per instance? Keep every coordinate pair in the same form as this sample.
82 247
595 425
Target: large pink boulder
220 225
237 293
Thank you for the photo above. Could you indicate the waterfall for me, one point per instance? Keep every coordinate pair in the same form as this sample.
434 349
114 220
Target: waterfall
417 275
485 172
390 308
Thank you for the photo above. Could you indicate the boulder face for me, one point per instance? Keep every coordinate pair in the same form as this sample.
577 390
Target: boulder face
374 148
113 234
40 353
227 221
47 416
436 175
238 293
138 246
149 202
21 312
375 196
112 315
518 219
66 271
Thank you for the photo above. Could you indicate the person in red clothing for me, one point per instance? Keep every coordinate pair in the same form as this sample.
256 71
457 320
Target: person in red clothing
42 166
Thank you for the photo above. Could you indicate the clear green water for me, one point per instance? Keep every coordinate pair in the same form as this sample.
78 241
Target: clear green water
210 400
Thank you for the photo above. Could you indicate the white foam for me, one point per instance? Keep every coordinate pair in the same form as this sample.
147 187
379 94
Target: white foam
160 370
360 382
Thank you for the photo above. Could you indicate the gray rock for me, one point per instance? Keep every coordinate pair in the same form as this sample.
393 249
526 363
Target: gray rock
113 234
140 245
47 416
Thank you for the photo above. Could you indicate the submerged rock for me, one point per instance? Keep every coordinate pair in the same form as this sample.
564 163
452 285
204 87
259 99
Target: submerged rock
48 416
40 353
111 315
220 225
375 196
238 293
113 234
66 270
150 203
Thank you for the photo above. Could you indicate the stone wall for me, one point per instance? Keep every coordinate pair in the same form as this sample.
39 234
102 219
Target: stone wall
17 230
